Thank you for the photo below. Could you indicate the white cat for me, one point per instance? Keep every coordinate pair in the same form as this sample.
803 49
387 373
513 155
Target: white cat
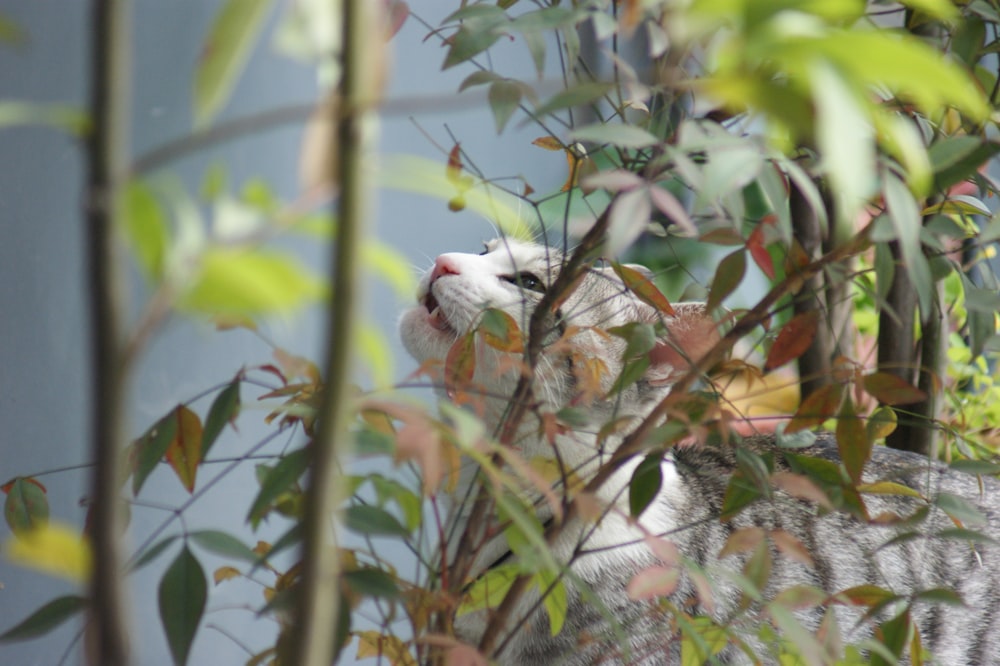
578 366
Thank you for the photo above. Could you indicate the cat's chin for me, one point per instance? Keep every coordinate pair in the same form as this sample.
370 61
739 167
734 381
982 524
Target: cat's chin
425 334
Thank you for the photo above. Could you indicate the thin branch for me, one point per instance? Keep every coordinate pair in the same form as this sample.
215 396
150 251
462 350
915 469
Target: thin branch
318 606
106 150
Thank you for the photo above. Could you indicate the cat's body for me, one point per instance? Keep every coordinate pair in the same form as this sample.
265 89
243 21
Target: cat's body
843 552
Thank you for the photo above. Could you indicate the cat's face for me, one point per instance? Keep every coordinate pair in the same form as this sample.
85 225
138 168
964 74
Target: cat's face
580 357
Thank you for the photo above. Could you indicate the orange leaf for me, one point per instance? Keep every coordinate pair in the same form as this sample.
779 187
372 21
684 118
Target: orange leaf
184 452
460 363
656 581
892 390
793 339
500 331
10 484
642 287
225 573
548 143
818 407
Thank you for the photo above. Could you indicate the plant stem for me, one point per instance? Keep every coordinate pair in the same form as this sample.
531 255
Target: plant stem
106 150
318 606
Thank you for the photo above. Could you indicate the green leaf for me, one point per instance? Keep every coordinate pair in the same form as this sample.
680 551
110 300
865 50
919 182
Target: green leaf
624 136
740 493
556 603
182 594
152 553
151 447
893 634
239 282
982 300
639 337
727 277
631 372
367 519
26 506
645 484
940 595
579 95
68 118
478 78
504 97
957 158
489 590
960 509
372 583
468 43
223 544
500 331
852 441
224 409
45 619
230 41
548 18
277 481
145 226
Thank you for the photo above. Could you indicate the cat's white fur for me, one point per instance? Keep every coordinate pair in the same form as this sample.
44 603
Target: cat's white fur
451 298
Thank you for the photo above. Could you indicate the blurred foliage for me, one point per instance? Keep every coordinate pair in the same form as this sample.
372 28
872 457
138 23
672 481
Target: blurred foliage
704 132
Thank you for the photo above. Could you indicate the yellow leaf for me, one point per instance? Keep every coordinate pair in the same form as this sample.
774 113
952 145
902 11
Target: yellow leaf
410 173
226 573
184 452
374 644
488 590
55 549
235 282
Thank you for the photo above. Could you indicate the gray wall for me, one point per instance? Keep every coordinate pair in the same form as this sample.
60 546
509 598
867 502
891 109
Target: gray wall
43 365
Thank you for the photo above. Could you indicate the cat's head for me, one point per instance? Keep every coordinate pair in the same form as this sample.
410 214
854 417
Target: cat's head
581 360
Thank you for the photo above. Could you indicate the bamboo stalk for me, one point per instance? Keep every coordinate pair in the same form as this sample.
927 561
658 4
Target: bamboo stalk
106 150
318 604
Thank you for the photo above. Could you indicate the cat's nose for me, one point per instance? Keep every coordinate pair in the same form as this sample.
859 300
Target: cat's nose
444 265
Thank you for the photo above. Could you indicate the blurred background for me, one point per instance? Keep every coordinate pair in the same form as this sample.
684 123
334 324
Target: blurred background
43 372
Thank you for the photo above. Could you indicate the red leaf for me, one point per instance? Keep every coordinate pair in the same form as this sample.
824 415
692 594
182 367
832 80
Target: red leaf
793 339
643 288
759 253
184 452
454 169
818 407
892 390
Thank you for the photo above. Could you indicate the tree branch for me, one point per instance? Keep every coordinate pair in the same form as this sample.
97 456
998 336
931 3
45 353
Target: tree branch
318 608
106 150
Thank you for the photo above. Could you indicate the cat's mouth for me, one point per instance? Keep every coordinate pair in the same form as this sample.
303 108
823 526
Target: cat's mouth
437 317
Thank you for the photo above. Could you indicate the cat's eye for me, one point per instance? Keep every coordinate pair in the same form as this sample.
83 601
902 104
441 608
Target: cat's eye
525 280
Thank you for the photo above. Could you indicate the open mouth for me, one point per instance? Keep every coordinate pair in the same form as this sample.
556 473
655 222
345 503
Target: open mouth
437 317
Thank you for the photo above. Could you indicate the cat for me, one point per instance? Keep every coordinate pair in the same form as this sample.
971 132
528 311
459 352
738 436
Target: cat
831 551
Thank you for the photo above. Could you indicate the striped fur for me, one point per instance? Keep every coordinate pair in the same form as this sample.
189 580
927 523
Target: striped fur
845 552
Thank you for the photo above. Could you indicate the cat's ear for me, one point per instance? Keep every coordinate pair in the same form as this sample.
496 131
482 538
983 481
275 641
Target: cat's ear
691 333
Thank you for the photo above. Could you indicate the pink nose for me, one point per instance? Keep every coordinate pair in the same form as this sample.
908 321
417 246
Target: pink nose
444 265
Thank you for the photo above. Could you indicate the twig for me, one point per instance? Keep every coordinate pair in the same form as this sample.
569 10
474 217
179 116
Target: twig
318 606
106 150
